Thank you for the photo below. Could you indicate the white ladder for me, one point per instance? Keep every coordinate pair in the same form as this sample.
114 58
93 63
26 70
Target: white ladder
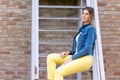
98 68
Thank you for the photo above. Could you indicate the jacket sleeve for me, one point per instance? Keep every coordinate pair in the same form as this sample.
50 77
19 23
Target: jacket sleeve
71 52
90 39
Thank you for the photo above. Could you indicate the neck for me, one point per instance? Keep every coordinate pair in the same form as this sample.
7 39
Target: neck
84 23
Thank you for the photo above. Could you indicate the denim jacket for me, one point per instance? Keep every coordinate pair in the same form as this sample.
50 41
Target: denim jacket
86 42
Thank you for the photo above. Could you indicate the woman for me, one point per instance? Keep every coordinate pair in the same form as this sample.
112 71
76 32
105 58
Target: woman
80 57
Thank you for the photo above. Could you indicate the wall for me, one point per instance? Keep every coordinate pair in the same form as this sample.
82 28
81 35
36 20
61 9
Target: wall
15 28
109 11
15 32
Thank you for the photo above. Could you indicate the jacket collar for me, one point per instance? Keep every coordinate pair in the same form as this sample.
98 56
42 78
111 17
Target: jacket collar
83 26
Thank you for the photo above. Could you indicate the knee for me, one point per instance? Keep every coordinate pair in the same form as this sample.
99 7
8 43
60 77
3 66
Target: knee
50 56
58 72
58 75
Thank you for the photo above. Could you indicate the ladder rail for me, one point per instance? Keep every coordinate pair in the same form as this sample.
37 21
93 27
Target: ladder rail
34 52
79 75
100 55
98 68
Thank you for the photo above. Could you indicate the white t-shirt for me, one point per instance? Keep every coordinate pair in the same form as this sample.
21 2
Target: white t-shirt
76 39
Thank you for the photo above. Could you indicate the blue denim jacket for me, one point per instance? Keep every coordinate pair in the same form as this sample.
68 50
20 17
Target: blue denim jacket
86 42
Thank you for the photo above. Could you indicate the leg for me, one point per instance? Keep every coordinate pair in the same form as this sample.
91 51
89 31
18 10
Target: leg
53 60
78 65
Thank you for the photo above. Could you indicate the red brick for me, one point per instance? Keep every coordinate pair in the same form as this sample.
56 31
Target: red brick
16 2
22 7
11 15
4 2
101 3
11 6
117 73
10 23
9 72
4 52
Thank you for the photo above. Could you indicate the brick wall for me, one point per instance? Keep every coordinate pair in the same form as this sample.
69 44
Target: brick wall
109 11
15 28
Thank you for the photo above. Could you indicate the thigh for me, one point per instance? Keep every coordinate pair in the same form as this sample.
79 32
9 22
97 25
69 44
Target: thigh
57 58
78 65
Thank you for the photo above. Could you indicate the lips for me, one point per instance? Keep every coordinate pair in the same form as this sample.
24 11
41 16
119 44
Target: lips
83 19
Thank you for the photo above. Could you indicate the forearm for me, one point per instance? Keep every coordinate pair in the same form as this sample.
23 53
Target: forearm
80 53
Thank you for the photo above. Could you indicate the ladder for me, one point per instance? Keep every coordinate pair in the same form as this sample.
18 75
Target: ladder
98 64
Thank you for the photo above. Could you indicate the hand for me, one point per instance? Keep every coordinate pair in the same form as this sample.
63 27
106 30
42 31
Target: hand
67 61
64 54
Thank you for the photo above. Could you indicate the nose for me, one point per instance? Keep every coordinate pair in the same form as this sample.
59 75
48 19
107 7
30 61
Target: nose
83 15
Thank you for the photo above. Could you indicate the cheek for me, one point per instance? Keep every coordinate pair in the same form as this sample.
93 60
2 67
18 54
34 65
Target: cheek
88 18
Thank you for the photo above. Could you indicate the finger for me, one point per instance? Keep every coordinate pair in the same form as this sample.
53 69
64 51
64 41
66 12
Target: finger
65 62
62 55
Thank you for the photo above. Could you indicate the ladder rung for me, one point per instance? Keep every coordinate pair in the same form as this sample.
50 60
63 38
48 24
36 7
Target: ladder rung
54 43
57 30
59 18
42 55
61 6
42 68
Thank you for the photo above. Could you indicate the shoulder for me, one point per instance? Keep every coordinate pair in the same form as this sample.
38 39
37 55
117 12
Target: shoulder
90 28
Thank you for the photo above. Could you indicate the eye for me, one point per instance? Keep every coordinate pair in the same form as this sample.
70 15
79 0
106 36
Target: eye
87 14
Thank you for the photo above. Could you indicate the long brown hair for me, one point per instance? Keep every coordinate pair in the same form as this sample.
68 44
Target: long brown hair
91 11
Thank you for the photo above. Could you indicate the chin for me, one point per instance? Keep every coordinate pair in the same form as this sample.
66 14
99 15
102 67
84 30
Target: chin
84 21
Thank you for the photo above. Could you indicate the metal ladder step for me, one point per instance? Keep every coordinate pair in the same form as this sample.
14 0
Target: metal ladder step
42 68
42 55
61 6
57 30
60 18
55 43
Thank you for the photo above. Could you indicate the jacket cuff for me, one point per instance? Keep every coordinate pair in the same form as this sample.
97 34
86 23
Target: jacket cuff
71 52
73 57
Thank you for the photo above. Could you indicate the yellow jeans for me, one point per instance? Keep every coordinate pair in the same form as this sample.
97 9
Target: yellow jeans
78 65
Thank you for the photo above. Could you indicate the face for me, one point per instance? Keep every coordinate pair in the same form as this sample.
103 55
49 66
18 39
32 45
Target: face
85 16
